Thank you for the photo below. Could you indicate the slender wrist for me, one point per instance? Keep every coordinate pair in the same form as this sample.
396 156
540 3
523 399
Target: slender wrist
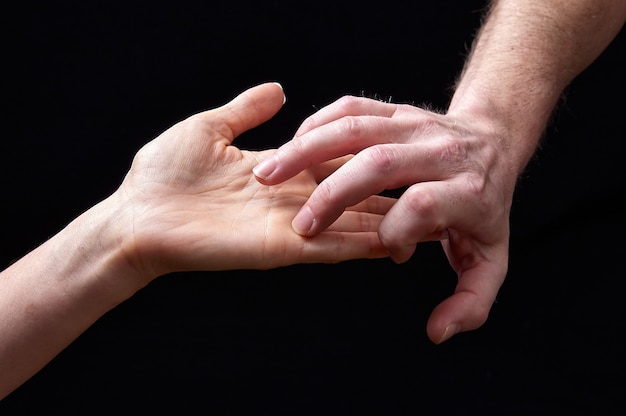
94 256
55 292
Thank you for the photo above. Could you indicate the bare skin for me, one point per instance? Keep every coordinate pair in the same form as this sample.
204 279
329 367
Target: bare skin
460 168
189 202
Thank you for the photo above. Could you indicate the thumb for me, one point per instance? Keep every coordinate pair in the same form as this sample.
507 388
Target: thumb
251 108
468 308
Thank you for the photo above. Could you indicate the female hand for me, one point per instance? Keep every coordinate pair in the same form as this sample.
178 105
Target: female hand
192 202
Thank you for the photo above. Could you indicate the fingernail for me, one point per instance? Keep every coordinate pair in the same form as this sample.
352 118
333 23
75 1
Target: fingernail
303 222
281 87
451 330
264 169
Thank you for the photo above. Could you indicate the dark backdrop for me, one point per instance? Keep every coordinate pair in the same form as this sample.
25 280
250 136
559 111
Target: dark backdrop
86 84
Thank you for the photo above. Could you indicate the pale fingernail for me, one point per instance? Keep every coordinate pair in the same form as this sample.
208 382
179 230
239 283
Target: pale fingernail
451 330
303 222
281 87
264 169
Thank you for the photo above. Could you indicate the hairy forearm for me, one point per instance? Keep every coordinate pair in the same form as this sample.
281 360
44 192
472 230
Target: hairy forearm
51 295
525 54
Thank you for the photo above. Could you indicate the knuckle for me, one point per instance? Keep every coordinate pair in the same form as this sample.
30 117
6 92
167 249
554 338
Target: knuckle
352 126
476 186
379 158
348 103
421 202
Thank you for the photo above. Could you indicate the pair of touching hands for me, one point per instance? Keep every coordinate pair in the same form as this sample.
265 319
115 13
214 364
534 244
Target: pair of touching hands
196 206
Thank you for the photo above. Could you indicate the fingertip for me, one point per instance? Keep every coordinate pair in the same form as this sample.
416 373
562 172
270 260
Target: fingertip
462 311
402 254
438 328
251 107
282 90
450 330
303 222
265 168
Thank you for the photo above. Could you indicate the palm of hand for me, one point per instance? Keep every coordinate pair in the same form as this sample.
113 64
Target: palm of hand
195 204
199 201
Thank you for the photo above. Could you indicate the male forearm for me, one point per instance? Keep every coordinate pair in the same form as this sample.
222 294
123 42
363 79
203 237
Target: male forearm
51 295
525 54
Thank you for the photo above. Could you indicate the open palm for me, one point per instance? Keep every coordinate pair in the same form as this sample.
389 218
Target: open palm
193 203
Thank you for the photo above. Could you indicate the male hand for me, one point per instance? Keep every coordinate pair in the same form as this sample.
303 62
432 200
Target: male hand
458 190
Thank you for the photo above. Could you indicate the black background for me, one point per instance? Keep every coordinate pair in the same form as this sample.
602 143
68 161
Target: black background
86 84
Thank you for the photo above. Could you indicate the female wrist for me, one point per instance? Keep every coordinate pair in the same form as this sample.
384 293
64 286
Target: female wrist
98 247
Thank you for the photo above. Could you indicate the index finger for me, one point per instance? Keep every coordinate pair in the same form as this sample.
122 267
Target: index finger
345 106
345 136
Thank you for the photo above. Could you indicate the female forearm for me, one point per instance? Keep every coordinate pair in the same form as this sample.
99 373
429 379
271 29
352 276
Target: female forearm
51 295
525 54
187 203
